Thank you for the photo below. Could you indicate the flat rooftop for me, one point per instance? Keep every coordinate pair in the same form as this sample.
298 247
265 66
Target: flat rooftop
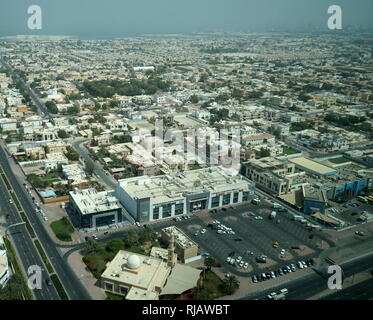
168 188
90 201
180 238
313 166
144 275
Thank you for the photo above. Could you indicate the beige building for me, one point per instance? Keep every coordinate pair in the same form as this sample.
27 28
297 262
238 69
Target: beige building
275 176
56 146
140 277
184 246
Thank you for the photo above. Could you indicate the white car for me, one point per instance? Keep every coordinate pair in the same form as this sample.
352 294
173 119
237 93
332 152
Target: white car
203 231
282 252
239 258
228 260
241 264
233 261
138 223
271 295
246 265
196 233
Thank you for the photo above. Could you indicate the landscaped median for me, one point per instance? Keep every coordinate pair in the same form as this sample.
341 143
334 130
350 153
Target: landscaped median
43 256
57 284
26 293
28 225
60 289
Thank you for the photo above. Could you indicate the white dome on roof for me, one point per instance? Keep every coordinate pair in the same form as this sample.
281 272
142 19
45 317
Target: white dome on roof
133 261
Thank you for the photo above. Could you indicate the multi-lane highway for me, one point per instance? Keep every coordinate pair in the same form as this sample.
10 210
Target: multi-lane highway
360 291
316 282
24 245
71 283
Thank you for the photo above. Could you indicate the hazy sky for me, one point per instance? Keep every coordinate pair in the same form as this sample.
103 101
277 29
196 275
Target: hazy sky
100 18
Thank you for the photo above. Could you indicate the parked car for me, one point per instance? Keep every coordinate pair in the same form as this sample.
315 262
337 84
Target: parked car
359 233
254 279
203 231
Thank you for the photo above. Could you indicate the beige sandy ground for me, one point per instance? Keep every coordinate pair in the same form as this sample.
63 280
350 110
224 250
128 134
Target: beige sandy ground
87 279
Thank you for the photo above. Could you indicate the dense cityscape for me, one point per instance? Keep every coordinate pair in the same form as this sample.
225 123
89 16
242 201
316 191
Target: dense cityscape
186 167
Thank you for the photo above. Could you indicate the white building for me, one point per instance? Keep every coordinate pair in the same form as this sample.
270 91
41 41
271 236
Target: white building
4 267
95 209
152 198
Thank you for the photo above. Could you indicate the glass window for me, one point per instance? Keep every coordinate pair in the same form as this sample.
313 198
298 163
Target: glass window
226 199
109 286
235 197
215 202
179 208
155 213
245 196
166 211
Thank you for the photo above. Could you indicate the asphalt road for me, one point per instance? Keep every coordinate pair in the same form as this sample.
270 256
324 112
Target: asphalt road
314 283
360 291
99 170
71 283
41 106
24 246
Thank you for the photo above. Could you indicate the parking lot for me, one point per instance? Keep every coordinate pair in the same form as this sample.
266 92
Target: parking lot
351 211
254 236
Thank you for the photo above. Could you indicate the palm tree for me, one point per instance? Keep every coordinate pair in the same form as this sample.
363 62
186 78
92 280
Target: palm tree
209 262
231 284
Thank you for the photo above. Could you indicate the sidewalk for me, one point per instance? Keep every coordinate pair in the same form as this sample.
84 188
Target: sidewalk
85 276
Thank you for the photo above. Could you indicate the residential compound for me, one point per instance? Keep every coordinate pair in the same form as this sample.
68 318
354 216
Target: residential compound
151 198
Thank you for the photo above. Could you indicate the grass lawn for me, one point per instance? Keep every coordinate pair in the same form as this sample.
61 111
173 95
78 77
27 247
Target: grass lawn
338 160
51 177
289 150
112 296
62 229
213 285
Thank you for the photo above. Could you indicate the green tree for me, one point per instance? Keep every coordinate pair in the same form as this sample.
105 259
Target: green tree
51 106
194 99
209 262
90 166
230 285
115 245
132 238
62 134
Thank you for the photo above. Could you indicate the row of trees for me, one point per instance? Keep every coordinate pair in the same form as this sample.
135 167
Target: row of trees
107 88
